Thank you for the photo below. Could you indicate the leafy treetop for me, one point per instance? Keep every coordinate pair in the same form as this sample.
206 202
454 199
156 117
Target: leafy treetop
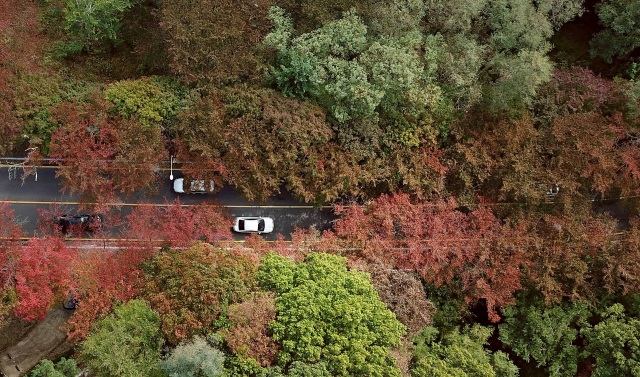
126 343
327 313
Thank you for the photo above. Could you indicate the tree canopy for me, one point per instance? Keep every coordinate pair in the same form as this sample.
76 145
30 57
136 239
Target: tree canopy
191 288
546 334
613 342
459 353
195 358
327 313
101 155
622 29
126 343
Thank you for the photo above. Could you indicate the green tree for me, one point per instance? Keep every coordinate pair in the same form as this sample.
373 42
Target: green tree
459 60
519 76
126 343
63 368
91 21
452 353
546 334
614 342
621 19
327 313
154 100
299 369
518 25
195 358
349 71
496 48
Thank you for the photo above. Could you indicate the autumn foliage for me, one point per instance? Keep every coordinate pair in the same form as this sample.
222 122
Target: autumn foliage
580 257
11 124
402 291
576 90
175 225
442 243
10 234
513 160
189 288
100 155
249 335
106 277
43 276
258 140
212 40
103 278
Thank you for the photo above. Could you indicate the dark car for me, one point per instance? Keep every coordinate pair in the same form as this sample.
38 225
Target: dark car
85 223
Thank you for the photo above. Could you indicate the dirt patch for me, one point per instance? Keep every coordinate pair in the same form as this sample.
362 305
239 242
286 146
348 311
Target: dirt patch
43 340
14 330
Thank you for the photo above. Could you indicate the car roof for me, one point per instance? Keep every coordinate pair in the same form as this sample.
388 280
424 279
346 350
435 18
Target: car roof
251 224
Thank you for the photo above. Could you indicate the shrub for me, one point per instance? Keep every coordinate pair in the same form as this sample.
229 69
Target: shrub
64 368
124 344
196 358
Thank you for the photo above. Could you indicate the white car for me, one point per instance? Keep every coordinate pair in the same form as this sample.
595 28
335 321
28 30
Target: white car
258 225
196 187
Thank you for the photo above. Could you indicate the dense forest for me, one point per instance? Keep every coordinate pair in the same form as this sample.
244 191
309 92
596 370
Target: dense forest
482 157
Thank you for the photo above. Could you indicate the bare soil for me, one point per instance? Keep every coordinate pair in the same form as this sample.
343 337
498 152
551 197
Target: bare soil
24 346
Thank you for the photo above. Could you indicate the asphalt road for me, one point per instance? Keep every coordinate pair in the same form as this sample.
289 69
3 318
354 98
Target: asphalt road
283 208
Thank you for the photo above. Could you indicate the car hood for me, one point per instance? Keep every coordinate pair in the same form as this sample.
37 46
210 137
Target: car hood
268 225
178 185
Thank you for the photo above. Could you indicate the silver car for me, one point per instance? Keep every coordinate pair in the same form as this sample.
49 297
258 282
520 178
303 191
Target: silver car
196 187
260 225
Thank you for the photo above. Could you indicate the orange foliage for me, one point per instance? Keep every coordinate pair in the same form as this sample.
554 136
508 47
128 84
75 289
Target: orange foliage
189 288
441 243
103 278
249 336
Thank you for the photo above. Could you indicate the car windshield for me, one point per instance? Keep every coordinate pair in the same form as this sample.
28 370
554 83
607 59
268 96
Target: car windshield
261 225
241 224
197 186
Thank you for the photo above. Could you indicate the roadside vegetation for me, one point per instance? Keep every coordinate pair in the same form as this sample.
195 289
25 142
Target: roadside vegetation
471 150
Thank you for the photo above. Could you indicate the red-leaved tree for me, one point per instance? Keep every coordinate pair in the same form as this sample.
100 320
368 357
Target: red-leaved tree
43 276
441 243
100 155
579 90
10 244
176 225
102 278
10 235
105 276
